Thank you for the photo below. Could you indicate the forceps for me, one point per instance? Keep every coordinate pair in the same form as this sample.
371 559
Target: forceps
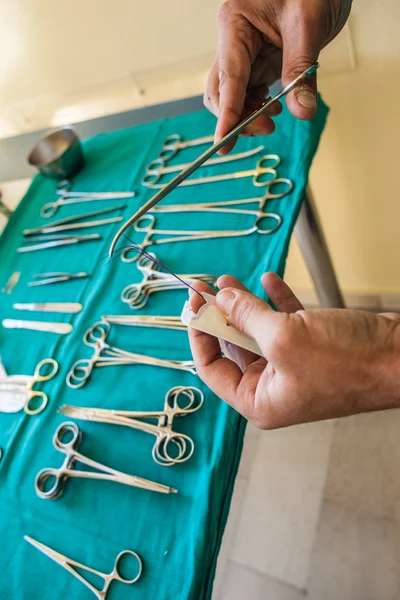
137 294
62 328
105 355
69 564
161 322
52 241
74 222
55 277
257 174
170 448
156 169
179 235
58 477
227 206
208 153
16 391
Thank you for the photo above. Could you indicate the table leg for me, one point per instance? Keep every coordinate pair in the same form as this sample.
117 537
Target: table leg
311 239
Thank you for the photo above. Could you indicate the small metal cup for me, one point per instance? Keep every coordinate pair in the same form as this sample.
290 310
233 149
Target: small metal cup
58 154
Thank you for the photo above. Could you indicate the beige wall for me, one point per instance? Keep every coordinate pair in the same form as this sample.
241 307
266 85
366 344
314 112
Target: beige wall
355 177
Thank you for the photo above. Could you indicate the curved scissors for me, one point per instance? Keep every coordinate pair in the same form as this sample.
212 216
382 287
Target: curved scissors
129 255
170 448
156 168
105 355
174 142
22 386
258 174
49 483
69 564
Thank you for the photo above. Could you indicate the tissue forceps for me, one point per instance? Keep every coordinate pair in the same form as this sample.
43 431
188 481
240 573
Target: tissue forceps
105 355
55 277
156 168
74 222
69 447
257 174
161 322
170 448
137 294
69 564
174 142
228 206
208 153
56 240
180 235
24 384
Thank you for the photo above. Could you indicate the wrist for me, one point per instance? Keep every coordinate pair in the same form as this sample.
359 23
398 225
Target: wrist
389 371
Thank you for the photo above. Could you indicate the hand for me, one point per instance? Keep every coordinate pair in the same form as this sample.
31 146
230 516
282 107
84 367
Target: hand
317 364
258 42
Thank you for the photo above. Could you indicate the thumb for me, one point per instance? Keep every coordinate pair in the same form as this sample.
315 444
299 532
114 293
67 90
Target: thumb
301 47
248 313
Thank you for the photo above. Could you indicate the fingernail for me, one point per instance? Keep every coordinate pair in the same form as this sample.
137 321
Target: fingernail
306 98
225 300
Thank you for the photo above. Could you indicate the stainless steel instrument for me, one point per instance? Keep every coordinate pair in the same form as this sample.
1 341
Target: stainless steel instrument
54 241
57 307
62 328
105 355
170 448
71 565
55 277
17 393
49 483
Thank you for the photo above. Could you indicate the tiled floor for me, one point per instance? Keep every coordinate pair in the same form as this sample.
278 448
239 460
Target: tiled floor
316 514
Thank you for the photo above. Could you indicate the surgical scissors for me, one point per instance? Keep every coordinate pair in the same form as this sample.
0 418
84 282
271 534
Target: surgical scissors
174 142
161 322
105 355
70 448
257 174
156 169
183 175
170 448
69 564
74 222
21 386
179 235
137 294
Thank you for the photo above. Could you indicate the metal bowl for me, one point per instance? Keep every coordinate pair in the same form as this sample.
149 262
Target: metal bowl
58 154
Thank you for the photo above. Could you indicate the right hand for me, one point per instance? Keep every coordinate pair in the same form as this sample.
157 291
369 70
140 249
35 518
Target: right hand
259 42
316 365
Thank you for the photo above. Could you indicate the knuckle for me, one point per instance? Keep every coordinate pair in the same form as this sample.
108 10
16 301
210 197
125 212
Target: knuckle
224 12
284 337
299 63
